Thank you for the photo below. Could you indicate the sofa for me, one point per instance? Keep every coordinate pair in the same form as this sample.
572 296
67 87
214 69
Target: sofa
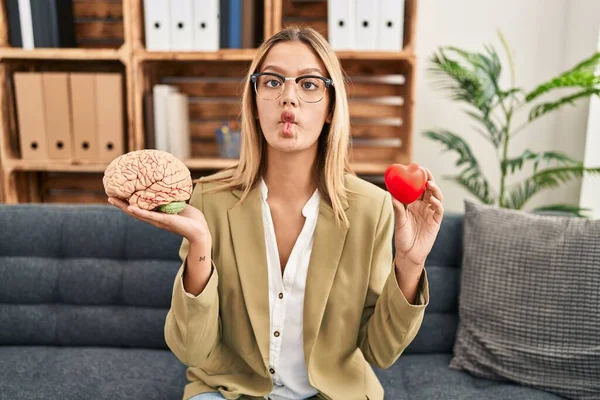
85 289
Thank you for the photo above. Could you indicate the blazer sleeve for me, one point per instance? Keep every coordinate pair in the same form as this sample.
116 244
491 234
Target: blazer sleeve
193 325
389 322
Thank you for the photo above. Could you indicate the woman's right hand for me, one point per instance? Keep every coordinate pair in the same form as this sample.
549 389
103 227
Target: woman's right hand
189 223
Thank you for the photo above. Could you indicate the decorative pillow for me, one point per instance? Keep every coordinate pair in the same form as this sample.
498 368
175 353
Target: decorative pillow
529 305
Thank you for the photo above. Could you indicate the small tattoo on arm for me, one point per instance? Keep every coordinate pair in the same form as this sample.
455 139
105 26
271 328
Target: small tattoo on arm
202 258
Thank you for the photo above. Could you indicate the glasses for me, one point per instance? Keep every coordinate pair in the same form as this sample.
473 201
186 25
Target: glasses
310 88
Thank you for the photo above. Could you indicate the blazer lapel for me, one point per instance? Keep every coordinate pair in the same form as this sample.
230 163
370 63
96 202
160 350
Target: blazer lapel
326 252
246 226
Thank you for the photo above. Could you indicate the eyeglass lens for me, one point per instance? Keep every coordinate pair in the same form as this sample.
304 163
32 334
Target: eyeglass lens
270 87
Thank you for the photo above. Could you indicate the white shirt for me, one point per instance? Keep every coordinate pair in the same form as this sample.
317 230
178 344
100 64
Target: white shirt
286 304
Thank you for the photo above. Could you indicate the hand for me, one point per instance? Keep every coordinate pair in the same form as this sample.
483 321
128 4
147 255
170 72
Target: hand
190 223
418 224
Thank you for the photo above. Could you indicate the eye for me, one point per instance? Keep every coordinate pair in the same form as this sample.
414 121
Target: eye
272 83
309 84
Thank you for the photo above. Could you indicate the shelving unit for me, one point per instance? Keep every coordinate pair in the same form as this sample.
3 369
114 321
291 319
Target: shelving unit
110 35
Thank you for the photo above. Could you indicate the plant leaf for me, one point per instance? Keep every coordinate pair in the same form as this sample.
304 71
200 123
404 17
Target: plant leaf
548 178
544 108
516 164
582 75
472 176
564 208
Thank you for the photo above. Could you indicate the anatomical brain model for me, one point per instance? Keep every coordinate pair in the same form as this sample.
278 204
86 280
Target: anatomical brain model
149 179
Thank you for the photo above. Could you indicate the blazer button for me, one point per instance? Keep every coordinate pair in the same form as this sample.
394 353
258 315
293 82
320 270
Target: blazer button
271 370
281 295
276 333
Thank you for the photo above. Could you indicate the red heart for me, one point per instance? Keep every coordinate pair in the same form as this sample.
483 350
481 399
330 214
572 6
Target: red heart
405 183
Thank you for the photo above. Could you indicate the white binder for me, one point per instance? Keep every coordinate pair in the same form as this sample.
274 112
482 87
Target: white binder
157 24
206 25
182 37
391 25
161 124
367 19
26 24
341 23
178 125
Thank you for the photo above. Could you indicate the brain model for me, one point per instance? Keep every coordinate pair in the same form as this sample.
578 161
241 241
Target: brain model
150 179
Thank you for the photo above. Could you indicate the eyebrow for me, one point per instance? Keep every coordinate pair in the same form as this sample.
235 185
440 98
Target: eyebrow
301 72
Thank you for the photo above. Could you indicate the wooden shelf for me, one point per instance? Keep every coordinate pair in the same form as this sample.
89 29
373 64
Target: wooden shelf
9 53
219 55
53 166
211 79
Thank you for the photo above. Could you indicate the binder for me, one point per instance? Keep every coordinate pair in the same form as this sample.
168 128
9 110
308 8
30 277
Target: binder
341 21
248 24
181 14
224 24
178 125
161 129
82 88
206 25
53 24
109 115
391 25
26 24
367 18
29 98
235 24
157 24
14 23
58 115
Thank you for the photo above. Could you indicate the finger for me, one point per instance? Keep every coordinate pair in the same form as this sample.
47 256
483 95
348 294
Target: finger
399 210
435 190
438 210
429 175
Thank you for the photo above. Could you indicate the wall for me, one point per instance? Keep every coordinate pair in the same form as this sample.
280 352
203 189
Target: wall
546 37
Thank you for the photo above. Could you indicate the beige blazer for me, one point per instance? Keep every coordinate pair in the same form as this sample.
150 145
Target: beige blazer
354 312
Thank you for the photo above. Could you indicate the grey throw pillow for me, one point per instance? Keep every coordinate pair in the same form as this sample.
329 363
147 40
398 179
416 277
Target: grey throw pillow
529 304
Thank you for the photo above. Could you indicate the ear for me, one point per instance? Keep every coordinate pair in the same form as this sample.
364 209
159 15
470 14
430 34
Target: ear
329 116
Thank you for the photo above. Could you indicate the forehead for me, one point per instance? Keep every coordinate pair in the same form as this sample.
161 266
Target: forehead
292 58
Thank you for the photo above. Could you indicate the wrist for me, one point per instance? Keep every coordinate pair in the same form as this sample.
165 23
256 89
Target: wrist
408 267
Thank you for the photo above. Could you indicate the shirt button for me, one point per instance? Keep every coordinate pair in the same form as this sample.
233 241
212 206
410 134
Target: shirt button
281 295
271 370
276 333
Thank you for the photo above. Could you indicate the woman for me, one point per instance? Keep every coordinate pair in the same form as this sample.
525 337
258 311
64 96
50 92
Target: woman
289 288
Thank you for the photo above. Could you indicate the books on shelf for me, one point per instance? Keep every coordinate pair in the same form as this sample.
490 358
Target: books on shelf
70 116
36 24
167 116
366 25
201 25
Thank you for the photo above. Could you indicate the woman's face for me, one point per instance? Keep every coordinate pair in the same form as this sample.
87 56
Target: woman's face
290 124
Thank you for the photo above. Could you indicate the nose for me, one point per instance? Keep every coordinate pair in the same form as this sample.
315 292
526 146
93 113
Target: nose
289 95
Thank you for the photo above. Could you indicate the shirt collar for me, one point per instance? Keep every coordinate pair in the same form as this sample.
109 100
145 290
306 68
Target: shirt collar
311 205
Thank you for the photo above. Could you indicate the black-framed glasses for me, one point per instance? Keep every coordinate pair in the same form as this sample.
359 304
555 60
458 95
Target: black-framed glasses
310 88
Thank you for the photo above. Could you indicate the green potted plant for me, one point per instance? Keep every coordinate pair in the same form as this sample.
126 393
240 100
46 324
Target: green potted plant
474 78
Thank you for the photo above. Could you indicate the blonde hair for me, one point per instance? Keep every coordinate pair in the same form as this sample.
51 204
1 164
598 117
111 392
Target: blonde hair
332 161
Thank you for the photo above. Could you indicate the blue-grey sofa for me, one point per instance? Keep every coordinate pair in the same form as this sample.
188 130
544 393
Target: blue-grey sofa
84 291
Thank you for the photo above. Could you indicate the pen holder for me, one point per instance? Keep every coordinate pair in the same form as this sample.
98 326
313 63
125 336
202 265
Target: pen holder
228 142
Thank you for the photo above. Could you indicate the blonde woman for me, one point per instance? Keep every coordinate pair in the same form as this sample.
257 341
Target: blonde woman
288 287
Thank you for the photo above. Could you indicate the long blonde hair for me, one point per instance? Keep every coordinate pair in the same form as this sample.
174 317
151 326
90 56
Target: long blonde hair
332 161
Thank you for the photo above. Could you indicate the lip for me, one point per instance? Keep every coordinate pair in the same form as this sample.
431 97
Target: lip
288 116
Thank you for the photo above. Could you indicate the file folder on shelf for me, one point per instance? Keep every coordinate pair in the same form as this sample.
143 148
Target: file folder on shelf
58 115
391 25
109 115
157 24
367 19
178 125
341 24
83 113
161 125
182 35
29 98
206 25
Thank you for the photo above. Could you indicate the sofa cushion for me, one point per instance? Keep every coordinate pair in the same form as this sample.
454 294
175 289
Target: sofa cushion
427 377
528 308
70 373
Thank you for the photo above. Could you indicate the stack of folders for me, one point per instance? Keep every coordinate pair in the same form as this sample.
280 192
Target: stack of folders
169 124
35 23
366 25
70 116
200 25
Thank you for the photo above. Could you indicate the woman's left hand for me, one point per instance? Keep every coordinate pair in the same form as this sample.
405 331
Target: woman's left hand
418 224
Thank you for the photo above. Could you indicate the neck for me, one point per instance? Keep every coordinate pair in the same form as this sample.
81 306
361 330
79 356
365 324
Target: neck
290 176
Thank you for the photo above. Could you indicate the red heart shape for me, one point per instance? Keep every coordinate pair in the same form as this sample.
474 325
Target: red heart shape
405 183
